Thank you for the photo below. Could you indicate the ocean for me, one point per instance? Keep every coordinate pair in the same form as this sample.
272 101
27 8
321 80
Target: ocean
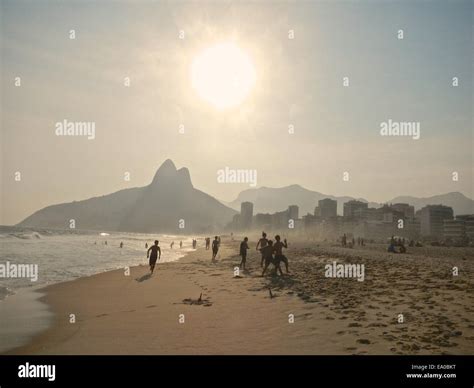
66 255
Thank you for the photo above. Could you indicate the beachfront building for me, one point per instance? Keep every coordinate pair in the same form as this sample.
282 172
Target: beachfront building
281 219
432 219
407 210
246 214
459 230
327 208
381 223
455 231
352 206
389 215
262 221
469 225
293 212
367 214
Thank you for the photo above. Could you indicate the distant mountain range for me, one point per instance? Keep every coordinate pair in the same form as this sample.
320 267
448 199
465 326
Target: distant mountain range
271 200
458 201
168 202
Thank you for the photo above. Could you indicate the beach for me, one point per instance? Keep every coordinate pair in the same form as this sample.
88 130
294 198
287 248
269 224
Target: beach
406 304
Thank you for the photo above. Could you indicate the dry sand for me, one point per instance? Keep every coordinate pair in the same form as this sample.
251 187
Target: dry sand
136 314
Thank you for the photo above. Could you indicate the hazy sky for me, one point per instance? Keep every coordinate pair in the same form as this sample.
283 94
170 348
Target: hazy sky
298 81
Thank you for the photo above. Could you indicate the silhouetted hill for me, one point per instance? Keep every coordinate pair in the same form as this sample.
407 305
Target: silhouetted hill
458 201
158 207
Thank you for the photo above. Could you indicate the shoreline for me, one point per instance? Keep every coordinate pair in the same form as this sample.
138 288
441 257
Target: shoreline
25 306
116 314
29 304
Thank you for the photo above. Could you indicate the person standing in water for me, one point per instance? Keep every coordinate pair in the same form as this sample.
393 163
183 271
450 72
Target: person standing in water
146 245
171 245
155 255
121 244
262 243
215 248
181 244
243 252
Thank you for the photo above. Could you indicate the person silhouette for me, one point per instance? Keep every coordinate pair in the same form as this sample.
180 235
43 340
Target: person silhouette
215 247
267 253
243 252
279 256
155 255
262 243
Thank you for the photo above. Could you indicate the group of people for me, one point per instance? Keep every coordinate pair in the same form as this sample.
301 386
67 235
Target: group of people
352 243
397 242
272 253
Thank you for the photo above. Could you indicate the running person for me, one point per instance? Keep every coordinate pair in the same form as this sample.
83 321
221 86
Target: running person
262 243
155 255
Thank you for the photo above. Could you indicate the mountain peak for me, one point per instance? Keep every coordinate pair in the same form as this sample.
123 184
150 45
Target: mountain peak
167 175
184 176
167 169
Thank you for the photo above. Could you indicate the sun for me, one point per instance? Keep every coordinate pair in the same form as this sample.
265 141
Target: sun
223 75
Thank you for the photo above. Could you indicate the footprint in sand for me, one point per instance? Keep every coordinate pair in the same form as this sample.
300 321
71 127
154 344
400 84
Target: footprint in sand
354 324
150 306
363 341
101 315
